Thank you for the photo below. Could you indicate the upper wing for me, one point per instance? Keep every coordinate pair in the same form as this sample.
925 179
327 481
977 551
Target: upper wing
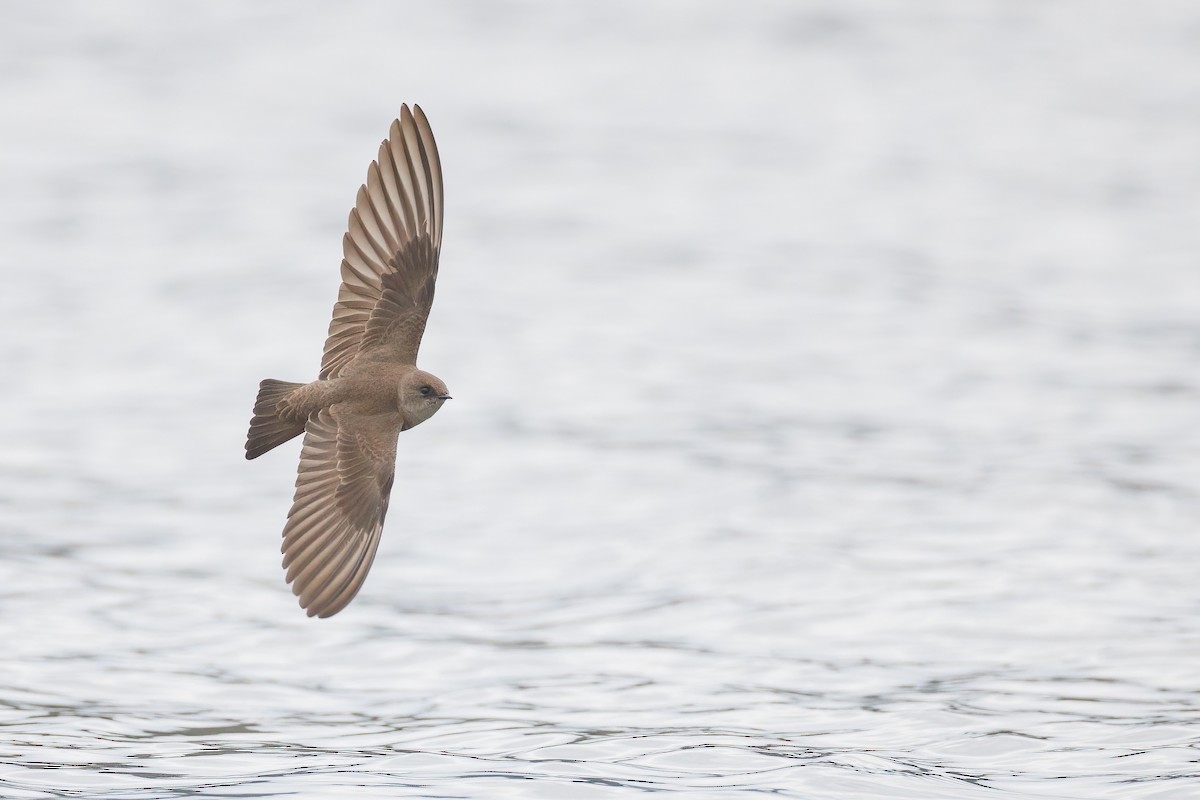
342 489
390 251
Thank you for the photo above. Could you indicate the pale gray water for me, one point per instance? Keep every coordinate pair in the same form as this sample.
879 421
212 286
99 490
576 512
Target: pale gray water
825 421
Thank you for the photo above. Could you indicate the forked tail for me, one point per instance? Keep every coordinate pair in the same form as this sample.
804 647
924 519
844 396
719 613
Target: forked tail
267 429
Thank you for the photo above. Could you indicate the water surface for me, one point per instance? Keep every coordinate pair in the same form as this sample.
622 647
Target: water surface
825 418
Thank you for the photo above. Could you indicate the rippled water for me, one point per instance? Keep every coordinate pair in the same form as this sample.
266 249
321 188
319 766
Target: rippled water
825 421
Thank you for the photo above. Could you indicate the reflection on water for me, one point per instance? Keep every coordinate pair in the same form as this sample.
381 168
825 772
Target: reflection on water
826 418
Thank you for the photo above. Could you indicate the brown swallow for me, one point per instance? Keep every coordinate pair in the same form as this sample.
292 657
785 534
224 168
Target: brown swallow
369 388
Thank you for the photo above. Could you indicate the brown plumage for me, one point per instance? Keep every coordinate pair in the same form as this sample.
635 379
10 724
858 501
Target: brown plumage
369 389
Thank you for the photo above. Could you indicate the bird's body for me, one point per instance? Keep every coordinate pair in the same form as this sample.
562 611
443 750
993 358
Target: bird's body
370 388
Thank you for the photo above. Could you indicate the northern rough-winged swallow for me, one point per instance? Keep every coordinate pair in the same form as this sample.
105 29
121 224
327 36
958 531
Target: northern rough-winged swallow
369 388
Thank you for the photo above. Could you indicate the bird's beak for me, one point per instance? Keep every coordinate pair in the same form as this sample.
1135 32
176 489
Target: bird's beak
444 397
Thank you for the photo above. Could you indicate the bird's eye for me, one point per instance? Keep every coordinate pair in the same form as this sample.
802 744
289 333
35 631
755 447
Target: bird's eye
426 390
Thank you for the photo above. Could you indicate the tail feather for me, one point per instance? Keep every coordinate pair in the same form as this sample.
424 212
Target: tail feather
267 429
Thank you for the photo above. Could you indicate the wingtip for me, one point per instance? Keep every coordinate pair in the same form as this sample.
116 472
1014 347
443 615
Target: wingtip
322 610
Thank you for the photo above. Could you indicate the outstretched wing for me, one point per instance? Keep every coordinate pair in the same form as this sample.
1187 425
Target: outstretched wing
390 251
342 489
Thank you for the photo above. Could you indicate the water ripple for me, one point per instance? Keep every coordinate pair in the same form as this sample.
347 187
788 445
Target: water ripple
825 418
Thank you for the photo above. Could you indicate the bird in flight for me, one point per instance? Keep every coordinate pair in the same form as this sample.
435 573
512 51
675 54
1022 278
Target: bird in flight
369 388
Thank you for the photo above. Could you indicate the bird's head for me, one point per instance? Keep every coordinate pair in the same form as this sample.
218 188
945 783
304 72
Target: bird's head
421 395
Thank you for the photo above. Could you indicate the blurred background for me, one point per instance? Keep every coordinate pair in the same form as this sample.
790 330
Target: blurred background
825 417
